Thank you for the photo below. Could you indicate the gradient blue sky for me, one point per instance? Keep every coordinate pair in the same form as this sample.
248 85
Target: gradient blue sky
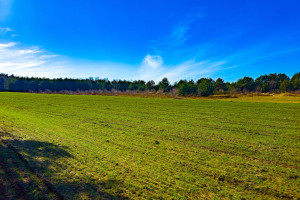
143 39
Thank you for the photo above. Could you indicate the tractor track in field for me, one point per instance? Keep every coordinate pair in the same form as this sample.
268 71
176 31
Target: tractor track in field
13 182
16 185
3 194
2 191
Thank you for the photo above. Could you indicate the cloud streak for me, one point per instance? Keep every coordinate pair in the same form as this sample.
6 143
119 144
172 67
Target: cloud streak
30 61
180 32
190 69
5 29
34 61
153 61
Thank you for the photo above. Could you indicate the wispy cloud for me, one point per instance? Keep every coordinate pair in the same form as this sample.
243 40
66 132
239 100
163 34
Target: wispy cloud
151 68
5 29
180 31
38 62
194 70
153 61
190 69
5 45
259 53
35 61
28 61
178 35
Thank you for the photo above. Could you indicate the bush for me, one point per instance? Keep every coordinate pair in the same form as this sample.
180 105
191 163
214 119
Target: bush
206 88
187 90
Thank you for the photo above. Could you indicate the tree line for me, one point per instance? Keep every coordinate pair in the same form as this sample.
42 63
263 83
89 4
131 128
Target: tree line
272 83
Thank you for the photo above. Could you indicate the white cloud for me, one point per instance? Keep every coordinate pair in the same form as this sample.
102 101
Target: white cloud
151 67
47 56
179 33
37 62
153 61
29 61
193 70
34 61
190 69
5 29
5 45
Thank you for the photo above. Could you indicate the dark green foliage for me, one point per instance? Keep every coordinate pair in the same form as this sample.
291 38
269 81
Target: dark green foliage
271 82
3 78
203 87
295 81
137 85
220 86
285 86
187 88
103 85
245 84
164 85
150 85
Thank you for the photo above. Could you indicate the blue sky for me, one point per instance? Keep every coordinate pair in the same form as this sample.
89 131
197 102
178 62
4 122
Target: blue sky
149 40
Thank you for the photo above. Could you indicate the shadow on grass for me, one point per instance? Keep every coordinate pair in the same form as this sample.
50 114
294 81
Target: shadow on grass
26 173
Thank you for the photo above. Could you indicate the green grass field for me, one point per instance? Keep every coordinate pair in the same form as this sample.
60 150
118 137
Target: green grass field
106 147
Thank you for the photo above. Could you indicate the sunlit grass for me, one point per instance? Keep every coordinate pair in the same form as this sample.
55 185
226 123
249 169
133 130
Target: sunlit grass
158 147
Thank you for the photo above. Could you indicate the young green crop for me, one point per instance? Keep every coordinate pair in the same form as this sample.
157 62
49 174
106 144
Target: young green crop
91 147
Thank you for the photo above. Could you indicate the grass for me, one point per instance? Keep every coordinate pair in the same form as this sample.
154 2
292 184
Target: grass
274 98
91 147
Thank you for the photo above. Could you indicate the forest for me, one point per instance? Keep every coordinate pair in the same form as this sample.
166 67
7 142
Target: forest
272 83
